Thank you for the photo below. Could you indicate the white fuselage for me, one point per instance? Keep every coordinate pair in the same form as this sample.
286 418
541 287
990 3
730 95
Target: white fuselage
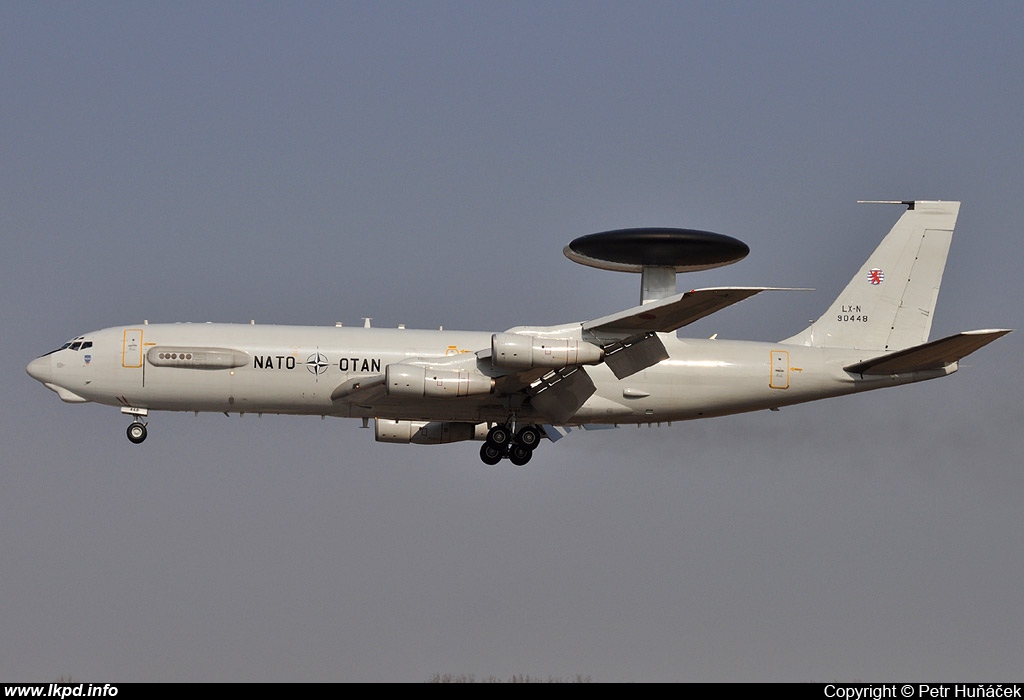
239 368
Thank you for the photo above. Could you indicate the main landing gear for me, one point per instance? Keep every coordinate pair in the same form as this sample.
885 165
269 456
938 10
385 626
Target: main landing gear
502 443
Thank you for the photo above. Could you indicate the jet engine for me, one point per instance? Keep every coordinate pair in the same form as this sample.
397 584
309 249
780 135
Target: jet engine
417 382
512 351
427 433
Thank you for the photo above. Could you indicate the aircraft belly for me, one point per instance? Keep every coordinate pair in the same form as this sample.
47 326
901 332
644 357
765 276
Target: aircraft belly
233 391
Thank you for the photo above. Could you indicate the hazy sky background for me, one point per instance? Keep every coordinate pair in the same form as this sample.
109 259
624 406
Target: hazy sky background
424 163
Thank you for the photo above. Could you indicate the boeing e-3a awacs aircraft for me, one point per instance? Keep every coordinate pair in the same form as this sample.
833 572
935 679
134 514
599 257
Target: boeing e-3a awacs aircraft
513 389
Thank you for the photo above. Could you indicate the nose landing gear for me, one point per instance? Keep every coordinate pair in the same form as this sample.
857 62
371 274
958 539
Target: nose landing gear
517 447
137 432
137 429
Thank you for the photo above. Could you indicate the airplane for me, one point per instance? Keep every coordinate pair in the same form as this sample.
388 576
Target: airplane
513 389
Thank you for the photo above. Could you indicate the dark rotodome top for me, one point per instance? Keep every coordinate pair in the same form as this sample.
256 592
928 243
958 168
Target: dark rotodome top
632 249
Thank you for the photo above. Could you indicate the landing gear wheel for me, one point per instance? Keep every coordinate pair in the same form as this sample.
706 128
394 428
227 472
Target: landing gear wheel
528 436
499 435
491 454
136 432
519 455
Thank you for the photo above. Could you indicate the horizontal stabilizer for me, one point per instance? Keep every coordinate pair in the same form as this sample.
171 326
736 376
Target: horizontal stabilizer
672 313
934 355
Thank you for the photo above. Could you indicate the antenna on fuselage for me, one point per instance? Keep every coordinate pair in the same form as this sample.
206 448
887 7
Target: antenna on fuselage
658 254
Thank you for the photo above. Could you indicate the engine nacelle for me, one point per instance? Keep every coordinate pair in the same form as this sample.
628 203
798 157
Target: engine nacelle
417 382
427 433
512 351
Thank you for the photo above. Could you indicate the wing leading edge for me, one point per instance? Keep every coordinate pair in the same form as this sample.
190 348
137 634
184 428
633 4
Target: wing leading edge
672 313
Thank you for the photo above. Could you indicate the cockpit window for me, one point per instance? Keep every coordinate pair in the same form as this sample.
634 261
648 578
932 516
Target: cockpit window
78 343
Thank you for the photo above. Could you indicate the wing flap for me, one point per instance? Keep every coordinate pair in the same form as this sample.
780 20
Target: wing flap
934 355
626 358
561 393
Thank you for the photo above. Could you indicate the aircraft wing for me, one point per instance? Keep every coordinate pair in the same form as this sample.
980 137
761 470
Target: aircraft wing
934 355
630 340
672 313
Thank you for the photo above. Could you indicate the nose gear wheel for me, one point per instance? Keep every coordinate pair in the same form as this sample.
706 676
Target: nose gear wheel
137 432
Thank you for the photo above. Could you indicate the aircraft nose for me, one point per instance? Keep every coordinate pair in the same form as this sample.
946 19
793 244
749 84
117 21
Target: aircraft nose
39 369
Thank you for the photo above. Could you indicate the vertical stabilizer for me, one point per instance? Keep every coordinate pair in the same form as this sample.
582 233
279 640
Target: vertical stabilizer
889 303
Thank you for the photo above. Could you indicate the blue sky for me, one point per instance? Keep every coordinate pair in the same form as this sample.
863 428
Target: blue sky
424 163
